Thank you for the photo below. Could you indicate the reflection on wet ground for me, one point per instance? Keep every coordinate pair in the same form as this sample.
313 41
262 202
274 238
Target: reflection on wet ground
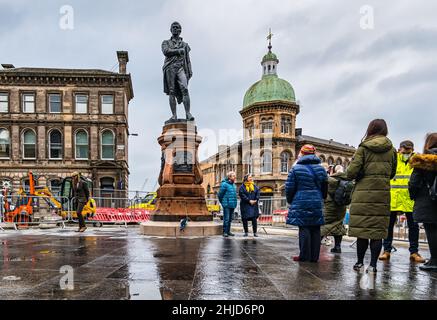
120 264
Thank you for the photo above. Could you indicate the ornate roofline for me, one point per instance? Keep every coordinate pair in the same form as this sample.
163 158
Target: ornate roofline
263 105
61 77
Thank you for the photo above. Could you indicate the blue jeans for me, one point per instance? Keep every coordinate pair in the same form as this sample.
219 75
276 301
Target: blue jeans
413 232
228 214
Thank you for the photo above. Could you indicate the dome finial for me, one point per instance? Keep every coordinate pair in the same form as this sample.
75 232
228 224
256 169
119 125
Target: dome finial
269 37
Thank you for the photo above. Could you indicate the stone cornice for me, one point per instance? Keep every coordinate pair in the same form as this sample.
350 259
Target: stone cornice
274 106
63 79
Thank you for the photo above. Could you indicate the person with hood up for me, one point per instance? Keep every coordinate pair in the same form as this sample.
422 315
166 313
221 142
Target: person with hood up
334 213
372 167
305 189
228 199
422 187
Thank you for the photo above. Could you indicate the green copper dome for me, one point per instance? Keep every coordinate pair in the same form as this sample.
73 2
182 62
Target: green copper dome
270 56
269 88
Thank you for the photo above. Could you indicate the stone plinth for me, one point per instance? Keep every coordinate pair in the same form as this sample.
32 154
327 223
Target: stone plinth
171 229
181 193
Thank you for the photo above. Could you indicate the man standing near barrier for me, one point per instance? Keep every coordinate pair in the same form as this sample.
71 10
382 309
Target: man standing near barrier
228 199
81 195
401 203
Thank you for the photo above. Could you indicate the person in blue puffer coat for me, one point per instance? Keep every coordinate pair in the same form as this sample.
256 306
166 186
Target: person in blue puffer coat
228 199
305 189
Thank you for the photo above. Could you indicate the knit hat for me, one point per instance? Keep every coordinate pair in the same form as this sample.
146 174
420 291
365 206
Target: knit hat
308 149
407 144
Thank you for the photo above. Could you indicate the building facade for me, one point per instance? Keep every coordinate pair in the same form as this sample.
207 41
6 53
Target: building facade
271 140
57 121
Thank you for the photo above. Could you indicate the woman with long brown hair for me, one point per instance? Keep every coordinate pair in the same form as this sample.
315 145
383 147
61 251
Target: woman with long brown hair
422 187
373 166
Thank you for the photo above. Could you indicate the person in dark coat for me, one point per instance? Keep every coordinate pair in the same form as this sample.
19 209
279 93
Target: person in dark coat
306 189
81 195
425 209
249 197
372 167
228 199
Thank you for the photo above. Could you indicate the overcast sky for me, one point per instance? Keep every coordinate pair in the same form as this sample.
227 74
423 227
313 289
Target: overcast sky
343 75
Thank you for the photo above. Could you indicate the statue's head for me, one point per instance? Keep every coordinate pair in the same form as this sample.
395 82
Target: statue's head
175 29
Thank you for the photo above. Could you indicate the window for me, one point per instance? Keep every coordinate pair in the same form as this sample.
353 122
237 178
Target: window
55 186
266 162
81 102
107 104
5 184
330 160
81 142
28 103
267 126
107 145
55 103
285 125
322 158
339 161
5 144
285 162
248 161
107 183
29 144
4 102
55 145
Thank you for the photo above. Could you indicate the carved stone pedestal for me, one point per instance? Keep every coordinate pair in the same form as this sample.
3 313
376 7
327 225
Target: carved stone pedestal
180 194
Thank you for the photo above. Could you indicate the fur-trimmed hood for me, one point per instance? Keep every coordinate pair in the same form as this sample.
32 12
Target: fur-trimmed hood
426 162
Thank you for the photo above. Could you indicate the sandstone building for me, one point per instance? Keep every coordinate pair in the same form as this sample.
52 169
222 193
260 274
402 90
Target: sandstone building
271 140
57 121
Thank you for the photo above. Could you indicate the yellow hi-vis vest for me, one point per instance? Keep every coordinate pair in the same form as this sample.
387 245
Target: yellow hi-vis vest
400 196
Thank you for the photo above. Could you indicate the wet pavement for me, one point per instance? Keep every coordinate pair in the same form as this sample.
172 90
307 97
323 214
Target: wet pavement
112 263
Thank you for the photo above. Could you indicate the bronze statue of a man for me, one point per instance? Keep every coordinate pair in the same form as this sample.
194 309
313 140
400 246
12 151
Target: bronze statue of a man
177 71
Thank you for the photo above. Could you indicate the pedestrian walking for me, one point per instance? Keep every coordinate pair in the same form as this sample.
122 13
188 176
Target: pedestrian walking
81 195
336 210
401 203
373 166
423 190
228 199
305 189
249 198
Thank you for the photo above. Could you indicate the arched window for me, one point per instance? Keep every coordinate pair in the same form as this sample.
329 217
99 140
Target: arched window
248 163
5 144
266 162
339 161
285 162
107 184
81 143
55 144
107 142
267 125
285 125
330 160
322 158
29 144
55 186
5 184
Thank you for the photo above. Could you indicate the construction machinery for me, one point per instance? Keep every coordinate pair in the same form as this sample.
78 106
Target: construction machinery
23 210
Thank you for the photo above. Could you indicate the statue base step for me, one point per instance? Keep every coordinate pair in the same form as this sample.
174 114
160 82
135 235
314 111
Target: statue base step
171 229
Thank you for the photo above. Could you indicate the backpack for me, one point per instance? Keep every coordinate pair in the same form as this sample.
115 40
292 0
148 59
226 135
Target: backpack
343 194
433 190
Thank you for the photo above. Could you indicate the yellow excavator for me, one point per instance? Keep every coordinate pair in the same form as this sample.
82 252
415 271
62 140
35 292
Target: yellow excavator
64 204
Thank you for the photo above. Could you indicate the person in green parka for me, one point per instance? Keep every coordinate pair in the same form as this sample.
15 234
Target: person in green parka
372 167
334 213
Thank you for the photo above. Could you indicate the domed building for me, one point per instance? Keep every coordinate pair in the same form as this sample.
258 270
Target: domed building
271 140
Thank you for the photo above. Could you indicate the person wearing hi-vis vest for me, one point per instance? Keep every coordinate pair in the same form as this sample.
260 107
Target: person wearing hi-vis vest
402 204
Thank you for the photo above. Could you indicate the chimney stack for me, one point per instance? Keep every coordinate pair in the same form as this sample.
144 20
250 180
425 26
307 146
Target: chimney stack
123 59
8 66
